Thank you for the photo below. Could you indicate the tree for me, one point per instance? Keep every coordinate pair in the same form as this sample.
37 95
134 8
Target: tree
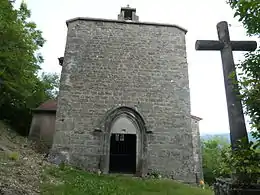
243 163
248 12
52 83
212 158
20 89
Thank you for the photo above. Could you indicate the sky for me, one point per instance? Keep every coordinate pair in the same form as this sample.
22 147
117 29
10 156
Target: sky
199 17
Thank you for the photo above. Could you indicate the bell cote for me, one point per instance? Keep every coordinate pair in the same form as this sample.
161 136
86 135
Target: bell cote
128 14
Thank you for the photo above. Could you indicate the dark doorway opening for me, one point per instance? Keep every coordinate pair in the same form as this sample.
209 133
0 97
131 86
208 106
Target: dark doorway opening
128 14
122 153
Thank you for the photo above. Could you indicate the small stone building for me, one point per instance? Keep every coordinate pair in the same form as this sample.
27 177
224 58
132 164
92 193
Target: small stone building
43 125
124 99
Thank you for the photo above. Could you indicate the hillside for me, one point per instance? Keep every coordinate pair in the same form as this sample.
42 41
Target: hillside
24 172
225 136
20 166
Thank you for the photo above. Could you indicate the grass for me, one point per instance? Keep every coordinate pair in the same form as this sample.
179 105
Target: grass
13 156
22 169
69 181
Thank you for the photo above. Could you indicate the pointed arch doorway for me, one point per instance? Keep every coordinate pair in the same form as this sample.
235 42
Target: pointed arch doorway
125 123
123 145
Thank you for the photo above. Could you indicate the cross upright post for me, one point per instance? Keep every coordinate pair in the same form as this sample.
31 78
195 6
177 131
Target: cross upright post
234 105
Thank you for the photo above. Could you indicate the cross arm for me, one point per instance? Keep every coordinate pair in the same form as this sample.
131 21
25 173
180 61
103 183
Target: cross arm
243 45
211 45
208 45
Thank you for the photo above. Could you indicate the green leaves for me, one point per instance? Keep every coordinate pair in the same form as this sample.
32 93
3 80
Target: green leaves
20 61
248 12
219 160
212 158
242 161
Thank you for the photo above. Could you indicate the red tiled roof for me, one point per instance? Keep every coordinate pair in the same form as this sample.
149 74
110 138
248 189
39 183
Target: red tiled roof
48 105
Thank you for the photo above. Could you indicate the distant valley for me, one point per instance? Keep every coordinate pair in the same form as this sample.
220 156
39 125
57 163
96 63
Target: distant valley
224 135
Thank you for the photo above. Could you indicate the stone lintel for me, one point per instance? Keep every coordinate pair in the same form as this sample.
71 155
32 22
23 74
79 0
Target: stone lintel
125 22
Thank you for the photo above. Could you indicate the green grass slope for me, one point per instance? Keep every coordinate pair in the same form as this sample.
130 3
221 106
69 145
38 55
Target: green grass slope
71 181
25 172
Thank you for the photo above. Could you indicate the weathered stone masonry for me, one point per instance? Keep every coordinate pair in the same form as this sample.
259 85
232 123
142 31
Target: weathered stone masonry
137 69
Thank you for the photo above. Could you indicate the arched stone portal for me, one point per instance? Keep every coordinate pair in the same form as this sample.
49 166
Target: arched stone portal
125 142
123 145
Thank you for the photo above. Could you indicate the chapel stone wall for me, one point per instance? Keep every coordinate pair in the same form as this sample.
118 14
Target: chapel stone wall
142 66
197 148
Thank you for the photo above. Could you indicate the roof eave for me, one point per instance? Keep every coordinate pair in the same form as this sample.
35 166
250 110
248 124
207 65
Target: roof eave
196 118
125 22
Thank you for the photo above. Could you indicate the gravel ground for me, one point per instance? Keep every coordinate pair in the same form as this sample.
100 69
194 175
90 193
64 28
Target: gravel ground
20 165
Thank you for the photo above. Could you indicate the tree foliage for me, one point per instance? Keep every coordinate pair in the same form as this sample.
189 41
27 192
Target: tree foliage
248 12
244 160
219 160
20 87
243 163
212 158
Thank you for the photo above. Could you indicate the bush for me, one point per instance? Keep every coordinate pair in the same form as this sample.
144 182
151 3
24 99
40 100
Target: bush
212 158
243 163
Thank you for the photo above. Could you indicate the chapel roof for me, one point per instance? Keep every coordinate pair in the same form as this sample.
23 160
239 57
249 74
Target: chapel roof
49 105
125 22
134 21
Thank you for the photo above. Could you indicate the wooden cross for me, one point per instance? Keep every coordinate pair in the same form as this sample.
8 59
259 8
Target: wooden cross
234 105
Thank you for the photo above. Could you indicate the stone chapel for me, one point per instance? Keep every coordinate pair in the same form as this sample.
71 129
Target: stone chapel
124 99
